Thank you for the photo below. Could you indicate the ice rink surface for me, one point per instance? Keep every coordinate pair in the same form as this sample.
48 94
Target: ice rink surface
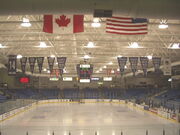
87 119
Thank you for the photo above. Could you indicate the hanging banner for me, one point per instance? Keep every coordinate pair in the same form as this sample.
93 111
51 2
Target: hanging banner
61 63
91 69
51 63
40 61
32 61
156 62
78 69
23 62
122 63
144 64
167 66
133 61
12 64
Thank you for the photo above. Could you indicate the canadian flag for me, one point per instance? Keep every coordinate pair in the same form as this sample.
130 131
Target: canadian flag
63 24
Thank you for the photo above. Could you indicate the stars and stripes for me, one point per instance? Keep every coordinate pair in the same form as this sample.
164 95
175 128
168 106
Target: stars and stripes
127 26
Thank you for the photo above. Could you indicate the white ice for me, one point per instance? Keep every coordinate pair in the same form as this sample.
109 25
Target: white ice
87 119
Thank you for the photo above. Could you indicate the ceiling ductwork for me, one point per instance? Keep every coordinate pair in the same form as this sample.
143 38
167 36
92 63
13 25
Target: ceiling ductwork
161 9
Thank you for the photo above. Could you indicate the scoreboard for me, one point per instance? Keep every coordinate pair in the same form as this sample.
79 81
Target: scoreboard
84 70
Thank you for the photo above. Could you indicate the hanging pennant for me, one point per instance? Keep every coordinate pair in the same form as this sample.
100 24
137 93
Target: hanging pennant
156 62
12 64
61 63
122 63
40 61
144 64
133 61
23 62
167 66
51 63
32 61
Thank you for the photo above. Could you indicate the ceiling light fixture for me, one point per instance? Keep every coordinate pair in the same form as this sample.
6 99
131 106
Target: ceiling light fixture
87 57
52 56
90 45
112 71
119 56
19 56
149 57
96 23
175 46
163 24
1 46
26 23
105 67
97 71
110 63
125 67
42 45
48 71
134 45
100 69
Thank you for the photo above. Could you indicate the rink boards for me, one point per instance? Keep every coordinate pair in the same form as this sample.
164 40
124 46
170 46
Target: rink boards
155 111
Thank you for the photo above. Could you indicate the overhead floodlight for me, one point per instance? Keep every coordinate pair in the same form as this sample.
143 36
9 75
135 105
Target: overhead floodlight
87 57
96 20
112 71
175 46
170 80
1 46
26 23
100 69
42 45
90 45
97 71
134 45
163 24
19 56
119 56
110 63
96 23
56 63
44 69
52 56
118 69
105 67
125 67
48 71
149 57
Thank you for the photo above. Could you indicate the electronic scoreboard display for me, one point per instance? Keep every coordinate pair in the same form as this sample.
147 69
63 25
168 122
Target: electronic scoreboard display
84 70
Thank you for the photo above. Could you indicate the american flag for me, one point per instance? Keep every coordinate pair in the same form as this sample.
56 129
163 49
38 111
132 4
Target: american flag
127 26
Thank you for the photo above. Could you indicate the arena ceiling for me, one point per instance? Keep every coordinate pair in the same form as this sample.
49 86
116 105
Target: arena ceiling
107 47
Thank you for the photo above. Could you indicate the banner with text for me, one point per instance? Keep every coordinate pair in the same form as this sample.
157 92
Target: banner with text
122 63
51 63
61 63
12 64
40 61
133 62
167 66
32 61
144 64
156 62
23 62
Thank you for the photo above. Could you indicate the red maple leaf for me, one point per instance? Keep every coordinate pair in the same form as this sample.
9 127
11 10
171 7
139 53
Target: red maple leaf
62 21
